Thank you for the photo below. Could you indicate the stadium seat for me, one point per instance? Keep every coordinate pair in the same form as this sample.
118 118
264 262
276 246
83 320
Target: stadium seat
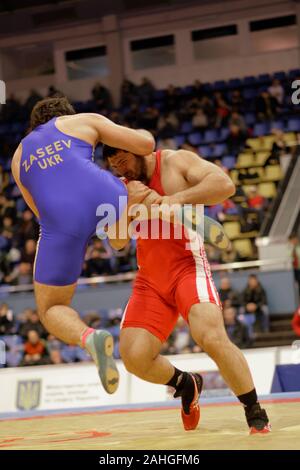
249 93
210 136
233 229
261 157
290 138
186 127
249 81
293 125
268 190
277 125
273 173
254 143
179 139
219 150
205 151
195 138
279 75
229 161
260 128
243 247
245 160
249 119
234 83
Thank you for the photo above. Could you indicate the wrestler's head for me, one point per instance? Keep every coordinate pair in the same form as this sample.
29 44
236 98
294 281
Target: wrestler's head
127 164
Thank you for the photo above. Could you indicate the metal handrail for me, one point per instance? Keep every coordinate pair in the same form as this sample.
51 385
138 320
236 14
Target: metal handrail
285 262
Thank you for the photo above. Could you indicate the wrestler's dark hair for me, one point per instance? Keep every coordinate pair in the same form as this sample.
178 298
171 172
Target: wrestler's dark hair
108 152
49 108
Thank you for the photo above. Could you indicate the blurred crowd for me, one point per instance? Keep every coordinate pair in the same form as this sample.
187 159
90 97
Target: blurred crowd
28 343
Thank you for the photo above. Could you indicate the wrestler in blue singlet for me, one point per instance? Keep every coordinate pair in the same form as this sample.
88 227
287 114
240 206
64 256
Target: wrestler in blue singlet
67 187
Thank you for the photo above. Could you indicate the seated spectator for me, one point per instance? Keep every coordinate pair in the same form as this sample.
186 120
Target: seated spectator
255 200
28 227
129 93
228 295
172 99
237 119
222 112
20 275
28 252
236 331
281 151
276 90
32 322
254 311
6 320
266 106
146 92
102 97
237 101
98 259
296 322
182 342
235 140
32 99
294 251
200 120
34 350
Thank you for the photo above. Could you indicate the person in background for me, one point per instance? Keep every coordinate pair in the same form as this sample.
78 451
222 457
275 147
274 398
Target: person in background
237 332
6 320
254 310
294 251
34 350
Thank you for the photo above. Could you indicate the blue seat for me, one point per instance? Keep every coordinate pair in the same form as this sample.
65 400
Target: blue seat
277 125
69 353
205 151
186 127
260 128
250 119
195 138
220 85
210 136
249 93
224 133
219 150
187 90
279 75
234 83
229 161
293 125
159 95
179 139
249 80
294 73
264 78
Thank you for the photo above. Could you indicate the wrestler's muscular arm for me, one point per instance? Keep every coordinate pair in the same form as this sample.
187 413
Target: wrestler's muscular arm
208 184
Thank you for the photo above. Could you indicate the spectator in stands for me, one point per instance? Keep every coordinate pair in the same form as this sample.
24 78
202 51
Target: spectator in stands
34 350
255 200
294 251
28 253
277 91
235 140
28 228
182 342
31 101
7 208
238 120
228 296
6 320
12 109
129 93
98 258
102 97
200 120
237 101
296 322
146 92
32 322
55 357
266 106
281 151
172 98
237 331
20 275
198 90
222 110
254 311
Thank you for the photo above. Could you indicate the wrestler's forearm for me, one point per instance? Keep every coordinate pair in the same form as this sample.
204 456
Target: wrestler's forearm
211 190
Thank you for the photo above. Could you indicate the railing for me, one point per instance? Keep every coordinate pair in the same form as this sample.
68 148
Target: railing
284 263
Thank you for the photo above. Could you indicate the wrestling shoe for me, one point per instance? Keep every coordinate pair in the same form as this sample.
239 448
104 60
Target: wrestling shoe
258 420
100 345
190 393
